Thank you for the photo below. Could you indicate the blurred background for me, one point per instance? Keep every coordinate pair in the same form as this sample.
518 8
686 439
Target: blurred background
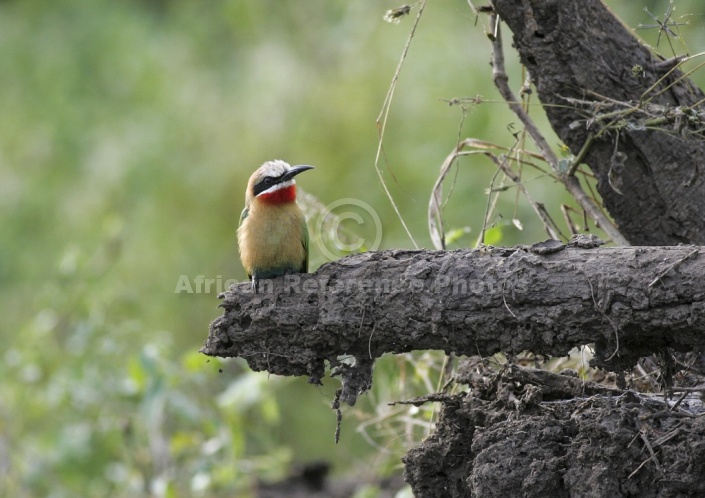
128 131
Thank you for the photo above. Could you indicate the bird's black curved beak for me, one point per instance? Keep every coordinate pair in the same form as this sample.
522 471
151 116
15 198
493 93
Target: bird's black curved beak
295 170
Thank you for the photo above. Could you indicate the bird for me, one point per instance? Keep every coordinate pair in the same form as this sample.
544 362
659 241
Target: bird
272 235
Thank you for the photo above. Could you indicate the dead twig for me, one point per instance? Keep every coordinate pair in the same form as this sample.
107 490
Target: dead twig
671 267
614 327
571 183
435 205
384 114
698 389
581 155
504 299
489 208
651 451
549 225
639 467
680 400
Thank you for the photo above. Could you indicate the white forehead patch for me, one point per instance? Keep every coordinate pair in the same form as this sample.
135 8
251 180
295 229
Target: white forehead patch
274 168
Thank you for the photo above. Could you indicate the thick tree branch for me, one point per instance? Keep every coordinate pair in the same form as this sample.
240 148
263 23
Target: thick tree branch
598 83
546 299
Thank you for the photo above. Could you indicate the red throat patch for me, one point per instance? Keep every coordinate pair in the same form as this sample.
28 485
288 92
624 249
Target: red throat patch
281 196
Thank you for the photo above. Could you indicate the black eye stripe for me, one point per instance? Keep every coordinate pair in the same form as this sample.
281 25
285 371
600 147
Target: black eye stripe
266 182
270 180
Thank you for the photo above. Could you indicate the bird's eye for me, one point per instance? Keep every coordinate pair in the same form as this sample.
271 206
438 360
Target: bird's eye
268 181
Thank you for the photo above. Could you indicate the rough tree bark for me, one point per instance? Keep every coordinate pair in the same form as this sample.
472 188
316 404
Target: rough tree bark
629 301
578 51
522 432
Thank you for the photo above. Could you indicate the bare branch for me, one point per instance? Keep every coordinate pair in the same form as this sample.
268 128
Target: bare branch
504 299
571 183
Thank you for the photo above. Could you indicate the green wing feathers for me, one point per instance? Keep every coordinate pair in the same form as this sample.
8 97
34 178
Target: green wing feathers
243 215
304 242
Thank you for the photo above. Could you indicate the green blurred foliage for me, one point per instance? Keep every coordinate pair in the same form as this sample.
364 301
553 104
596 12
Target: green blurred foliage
127 135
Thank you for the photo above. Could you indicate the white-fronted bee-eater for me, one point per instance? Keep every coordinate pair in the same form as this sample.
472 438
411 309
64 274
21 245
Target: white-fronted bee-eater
272 236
